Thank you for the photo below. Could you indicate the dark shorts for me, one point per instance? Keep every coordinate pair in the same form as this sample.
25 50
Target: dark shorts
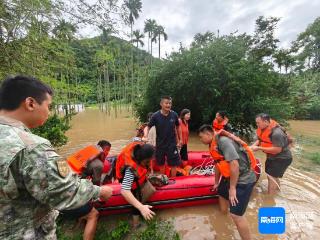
78 212
171 154
184 152
277 167
243 195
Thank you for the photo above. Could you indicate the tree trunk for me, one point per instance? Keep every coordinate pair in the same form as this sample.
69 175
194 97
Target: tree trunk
148 42
159 46
132 85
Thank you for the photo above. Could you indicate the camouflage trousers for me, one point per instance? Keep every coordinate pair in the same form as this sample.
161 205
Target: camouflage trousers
46 229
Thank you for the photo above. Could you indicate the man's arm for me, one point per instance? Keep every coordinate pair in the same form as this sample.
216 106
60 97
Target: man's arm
256 143
178 131
178 135
269 150
145 134
49 179
278 143
234 176
130 198
216 179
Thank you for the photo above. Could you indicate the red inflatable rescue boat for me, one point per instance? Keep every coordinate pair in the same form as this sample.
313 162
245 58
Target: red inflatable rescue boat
181 191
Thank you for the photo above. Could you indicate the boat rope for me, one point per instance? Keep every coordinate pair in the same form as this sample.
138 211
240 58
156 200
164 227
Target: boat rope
206 168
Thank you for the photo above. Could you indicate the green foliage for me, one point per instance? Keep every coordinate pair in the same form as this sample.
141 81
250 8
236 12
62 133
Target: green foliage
314 157
54 130
264 41
305 95
218 76
118 233
307 47
157 230
154 230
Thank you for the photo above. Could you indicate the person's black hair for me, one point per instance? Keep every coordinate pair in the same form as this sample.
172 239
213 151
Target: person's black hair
149 115
184 112
264 116
15 90
222 113
142 152
166 97
104 143
205 128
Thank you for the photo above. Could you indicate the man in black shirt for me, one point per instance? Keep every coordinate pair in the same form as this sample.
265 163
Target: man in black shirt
167 129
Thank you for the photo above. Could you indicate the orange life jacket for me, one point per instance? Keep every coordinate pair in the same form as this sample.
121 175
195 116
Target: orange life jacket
264 136
184 131
218 126
79 159
222 165
125 160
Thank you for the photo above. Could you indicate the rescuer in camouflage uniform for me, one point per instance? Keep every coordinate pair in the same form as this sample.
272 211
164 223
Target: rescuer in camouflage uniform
35 181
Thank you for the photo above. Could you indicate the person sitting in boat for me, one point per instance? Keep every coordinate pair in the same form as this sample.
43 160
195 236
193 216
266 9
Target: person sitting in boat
131 171
235 164
221 122
95 164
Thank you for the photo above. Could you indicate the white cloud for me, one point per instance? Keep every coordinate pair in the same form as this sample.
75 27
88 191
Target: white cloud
182 19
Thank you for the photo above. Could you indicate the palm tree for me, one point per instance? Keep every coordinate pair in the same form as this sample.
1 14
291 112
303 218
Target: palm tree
65 30
149 27
203 39
159 30
134 7
279 58
137 38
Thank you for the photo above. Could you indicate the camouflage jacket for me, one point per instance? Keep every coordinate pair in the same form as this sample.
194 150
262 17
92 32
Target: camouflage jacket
34 180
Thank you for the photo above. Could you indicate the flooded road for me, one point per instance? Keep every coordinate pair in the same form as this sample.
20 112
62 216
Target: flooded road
300 190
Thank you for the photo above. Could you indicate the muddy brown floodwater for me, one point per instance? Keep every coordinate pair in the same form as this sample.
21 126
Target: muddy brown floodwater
300 190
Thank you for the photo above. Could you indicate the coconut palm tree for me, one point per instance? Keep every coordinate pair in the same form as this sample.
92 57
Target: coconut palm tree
137 36
65 30
149 27
158 32
203 39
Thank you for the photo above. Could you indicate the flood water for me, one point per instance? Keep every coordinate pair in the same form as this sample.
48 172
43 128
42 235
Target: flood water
300 190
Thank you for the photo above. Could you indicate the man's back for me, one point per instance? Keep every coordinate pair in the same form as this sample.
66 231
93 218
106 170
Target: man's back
233 151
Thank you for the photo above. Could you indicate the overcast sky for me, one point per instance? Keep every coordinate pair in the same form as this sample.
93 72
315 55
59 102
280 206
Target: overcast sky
182 19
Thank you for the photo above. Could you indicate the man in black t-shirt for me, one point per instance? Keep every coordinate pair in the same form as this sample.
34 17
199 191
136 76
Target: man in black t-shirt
167 130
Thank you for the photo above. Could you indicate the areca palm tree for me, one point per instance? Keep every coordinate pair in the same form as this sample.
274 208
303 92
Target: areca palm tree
149 27
137 38
134 7
158 32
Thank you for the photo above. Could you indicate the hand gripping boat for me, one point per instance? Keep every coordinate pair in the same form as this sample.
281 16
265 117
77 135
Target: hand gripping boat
181 191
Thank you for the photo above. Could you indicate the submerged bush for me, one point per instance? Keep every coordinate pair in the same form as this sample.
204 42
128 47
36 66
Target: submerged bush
54 130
